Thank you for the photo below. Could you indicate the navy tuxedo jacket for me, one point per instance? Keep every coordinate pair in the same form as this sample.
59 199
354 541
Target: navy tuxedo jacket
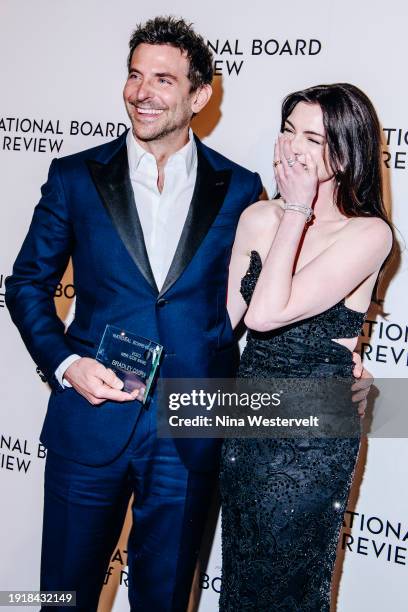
87 212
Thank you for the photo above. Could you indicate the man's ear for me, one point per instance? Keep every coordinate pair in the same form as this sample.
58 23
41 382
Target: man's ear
200 98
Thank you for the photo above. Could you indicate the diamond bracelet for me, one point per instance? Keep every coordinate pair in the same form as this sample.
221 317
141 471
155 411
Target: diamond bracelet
301 208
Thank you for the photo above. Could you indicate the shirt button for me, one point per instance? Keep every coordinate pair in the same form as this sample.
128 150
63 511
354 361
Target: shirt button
161 302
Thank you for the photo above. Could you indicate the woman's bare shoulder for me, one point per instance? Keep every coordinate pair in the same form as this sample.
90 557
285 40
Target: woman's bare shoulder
373 231
262 216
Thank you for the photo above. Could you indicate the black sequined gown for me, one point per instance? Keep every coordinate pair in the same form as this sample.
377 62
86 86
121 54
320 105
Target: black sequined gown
283 500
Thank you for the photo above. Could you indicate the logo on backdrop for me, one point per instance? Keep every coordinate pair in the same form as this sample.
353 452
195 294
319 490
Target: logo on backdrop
66 291
231 53
117 565
40 135
118 571
395 157
16 454
375 537
211 582
2 294
385 342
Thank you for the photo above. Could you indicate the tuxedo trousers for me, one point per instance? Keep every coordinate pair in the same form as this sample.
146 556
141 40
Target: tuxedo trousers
84 511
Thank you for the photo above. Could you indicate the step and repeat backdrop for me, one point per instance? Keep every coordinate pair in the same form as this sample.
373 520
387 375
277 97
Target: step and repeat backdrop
63 67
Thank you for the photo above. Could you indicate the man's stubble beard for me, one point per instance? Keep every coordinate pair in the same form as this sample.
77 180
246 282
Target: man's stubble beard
157 136
165 131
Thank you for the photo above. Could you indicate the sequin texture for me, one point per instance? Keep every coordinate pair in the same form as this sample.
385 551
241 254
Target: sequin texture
283 500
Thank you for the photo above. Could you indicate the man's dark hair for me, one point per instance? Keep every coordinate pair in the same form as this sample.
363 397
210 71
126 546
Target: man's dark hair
180 34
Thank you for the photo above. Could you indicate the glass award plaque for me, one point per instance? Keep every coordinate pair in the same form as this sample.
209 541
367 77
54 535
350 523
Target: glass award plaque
133 359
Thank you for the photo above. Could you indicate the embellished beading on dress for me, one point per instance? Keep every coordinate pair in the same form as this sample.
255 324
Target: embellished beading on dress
283 499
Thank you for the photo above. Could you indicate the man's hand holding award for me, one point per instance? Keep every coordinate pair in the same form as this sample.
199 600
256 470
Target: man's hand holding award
124 368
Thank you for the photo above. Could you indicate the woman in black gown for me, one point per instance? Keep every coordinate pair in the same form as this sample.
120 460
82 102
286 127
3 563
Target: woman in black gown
303 268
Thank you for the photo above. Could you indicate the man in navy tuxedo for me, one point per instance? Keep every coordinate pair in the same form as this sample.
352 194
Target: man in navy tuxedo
149 221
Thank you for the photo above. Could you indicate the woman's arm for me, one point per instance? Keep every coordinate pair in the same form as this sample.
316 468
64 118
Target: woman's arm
256 228
280 298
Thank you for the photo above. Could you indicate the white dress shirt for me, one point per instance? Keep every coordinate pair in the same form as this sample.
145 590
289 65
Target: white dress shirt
162 214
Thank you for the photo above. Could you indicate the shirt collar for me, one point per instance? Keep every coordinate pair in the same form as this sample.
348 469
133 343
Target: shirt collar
187 155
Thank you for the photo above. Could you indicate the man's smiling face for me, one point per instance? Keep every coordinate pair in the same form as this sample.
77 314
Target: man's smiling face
157 93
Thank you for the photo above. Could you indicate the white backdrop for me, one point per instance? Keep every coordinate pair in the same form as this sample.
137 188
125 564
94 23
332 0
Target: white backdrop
63 64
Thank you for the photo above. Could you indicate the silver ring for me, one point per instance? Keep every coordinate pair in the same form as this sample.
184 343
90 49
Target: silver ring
291 162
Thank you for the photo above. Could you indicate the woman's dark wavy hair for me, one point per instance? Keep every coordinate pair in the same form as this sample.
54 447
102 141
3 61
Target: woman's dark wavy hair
353 136
180 34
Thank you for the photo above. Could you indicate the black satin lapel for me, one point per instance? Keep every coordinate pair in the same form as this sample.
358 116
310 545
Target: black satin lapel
210 190
114 187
